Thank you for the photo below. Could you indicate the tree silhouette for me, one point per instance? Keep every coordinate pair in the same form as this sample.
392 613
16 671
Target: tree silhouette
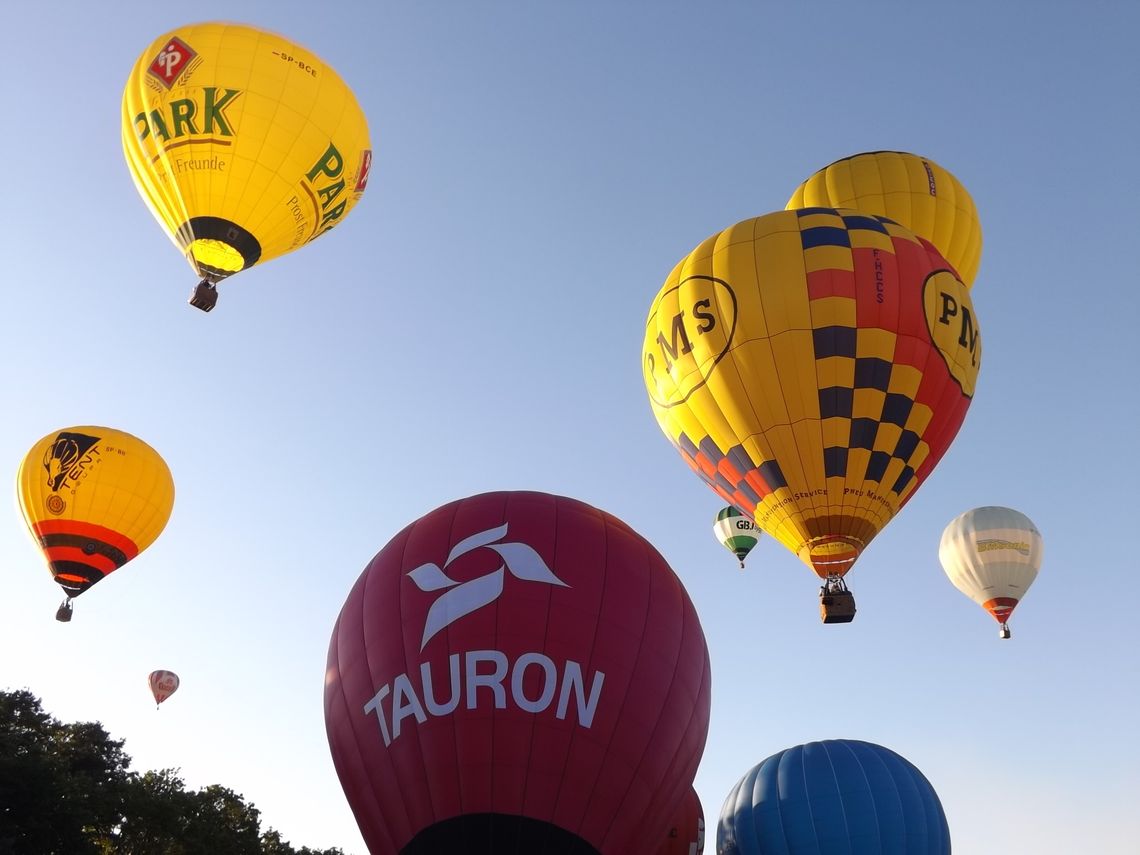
67 789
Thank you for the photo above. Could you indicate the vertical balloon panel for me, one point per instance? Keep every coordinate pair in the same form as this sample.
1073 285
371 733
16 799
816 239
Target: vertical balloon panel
518 669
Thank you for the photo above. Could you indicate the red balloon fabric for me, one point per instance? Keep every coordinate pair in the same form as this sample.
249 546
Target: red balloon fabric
517 672
686 836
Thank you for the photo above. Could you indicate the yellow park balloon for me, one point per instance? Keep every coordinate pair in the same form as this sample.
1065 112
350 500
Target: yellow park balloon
244 145
913 191
812 367
93 499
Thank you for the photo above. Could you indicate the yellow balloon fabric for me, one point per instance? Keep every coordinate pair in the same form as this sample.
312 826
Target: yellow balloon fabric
913 191
93 499
244 145
813 367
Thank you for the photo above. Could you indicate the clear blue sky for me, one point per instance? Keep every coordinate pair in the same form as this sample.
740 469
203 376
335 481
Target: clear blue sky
476 324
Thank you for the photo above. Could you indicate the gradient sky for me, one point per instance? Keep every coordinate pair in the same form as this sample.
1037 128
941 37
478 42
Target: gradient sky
476 322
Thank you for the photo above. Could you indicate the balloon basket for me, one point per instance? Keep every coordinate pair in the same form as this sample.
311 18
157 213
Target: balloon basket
836 603
64 612
1004 632
205 296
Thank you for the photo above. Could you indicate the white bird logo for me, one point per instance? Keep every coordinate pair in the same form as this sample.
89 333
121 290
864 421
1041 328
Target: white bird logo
462 598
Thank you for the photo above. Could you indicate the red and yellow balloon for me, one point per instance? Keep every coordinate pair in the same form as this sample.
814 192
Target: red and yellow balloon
812 367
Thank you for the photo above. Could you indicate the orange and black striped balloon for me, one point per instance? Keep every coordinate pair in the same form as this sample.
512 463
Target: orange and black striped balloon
93 499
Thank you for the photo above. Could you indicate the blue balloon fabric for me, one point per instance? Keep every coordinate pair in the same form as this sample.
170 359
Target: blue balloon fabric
835 797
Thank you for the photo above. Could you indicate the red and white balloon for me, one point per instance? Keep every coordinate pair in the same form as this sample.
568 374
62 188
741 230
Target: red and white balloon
517 672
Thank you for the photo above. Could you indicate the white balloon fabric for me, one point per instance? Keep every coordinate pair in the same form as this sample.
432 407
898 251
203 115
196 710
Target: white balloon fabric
992 555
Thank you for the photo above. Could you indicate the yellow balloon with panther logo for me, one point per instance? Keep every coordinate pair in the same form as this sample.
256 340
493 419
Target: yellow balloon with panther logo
93 499
812 367
244 145
912 190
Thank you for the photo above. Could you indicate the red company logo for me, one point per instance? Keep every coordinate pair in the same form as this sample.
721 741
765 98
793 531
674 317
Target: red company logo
365 166
171 60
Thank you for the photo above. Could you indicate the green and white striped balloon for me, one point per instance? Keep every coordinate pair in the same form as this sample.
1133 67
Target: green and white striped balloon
736 532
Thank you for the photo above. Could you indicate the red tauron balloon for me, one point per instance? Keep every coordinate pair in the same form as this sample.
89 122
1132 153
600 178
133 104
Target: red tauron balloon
686 834
516 673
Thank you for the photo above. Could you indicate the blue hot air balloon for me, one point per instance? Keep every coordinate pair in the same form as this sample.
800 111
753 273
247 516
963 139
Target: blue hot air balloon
835 797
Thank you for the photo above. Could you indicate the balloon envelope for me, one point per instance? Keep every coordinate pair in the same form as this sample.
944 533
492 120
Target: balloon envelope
992 555
93 499
516 672
163 684
812 367
687 832
243 144
913 191
735 532
835 797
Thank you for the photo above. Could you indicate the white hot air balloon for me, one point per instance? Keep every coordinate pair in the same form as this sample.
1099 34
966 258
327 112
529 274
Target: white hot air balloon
992 555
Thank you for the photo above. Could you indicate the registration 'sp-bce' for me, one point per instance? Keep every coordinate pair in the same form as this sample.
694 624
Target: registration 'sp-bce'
517 672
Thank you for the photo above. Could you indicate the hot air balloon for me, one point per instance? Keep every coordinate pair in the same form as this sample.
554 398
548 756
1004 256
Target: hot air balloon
163 684
736 533
835 797
992 555
913 191
243 144
516 672
812 367
93 499
686 834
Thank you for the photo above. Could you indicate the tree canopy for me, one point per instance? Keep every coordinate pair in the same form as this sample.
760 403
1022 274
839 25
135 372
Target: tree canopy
67 789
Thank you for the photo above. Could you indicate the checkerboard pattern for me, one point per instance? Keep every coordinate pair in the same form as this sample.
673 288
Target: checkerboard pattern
875 413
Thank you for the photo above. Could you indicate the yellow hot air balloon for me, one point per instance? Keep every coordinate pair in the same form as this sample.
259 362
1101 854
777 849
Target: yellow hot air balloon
93 499
813 367
913 191
244 145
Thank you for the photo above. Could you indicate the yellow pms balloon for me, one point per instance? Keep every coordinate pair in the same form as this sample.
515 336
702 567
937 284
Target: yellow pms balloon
914 191
812 367
244 145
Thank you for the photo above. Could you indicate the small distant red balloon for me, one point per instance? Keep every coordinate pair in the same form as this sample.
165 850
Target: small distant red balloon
163 684
517 672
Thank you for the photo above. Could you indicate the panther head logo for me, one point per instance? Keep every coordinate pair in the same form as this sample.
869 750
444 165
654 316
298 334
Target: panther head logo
65 456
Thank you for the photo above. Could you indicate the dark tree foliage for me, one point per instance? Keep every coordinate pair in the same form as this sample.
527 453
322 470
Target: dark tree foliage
66 789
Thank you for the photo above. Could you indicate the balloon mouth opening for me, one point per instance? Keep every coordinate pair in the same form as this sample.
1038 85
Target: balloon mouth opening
1000 607
216 247
491 833
214 260
832 555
